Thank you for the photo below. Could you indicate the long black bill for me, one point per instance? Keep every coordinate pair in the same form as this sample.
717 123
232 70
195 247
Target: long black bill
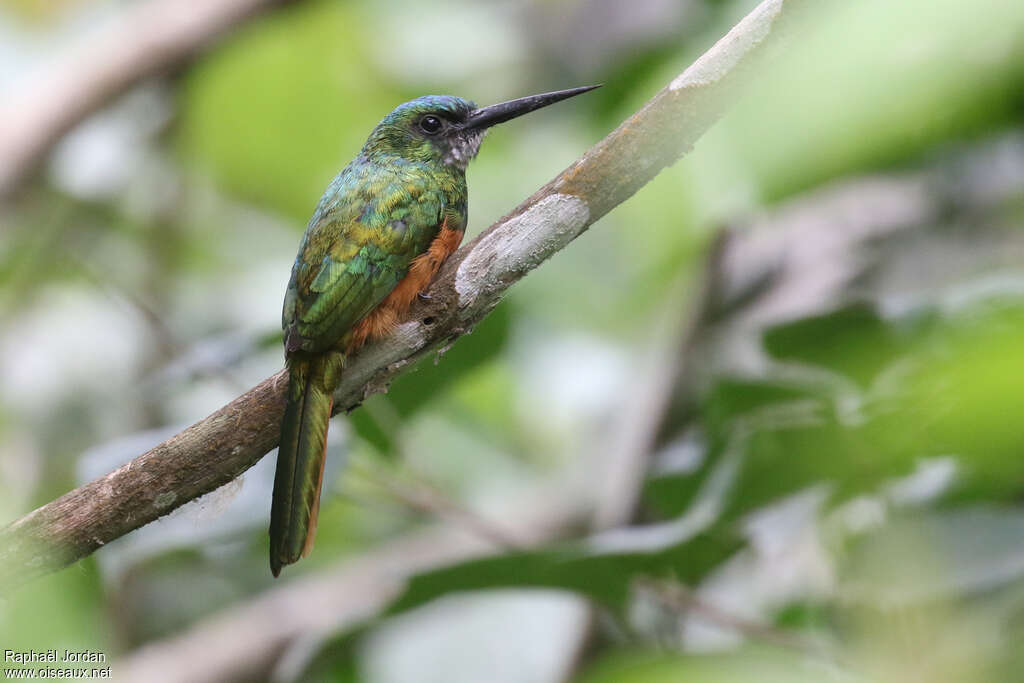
499 113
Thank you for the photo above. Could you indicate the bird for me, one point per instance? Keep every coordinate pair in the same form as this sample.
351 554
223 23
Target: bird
377 237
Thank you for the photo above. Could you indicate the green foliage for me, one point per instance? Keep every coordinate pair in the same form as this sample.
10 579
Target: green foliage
74 600
429 380
876 397
645 667
603 576
271 114
876 83
854 342
856 401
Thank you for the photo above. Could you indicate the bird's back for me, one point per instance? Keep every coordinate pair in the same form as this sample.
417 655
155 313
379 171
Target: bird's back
372 221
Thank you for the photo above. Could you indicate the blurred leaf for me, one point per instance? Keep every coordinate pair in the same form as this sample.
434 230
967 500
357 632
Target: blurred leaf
335 660
805 616
62 610
371 431
947 583
436 374
875 82
853 341
934 387
431 377
40 11
280 108
938 555
605 578
764 666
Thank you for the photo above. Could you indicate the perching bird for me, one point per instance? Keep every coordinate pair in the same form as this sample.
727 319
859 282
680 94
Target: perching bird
379 234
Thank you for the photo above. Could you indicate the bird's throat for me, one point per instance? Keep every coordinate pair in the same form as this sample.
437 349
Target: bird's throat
462 148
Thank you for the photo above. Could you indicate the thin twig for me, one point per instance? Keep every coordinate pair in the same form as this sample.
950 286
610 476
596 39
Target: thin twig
170 345
682 600
659 380
423 496
420 493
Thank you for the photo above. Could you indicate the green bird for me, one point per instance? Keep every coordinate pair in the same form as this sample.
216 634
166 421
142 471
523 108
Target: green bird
379 234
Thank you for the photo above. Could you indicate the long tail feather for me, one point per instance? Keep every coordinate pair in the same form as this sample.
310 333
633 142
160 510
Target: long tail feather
300 456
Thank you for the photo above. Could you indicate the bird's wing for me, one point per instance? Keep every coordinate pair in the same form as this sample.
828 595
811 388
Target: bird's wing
357 248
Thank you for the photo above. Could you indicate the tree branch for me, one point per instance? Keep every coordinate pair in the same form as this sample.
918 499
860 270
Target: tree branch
217 449
149 38
780 242
247 641
331 602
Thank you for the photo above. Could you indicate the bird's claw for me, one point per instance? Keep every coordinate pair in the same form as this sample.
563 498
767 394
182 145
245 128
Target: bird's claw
423 296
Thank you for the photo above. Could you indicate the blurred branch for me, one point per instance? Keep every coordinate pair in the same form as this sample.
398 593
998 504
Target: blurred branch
683 601
248 641
217 449
644 409
644 413
166 339
421 496
146 39
415 491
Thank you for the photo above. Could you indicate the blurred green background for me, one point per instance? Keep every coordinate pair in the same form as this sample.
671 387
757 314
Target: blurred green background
809 330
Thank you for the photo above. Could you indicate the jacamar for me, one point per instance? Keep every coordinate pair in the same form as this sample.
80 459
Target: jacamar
379 234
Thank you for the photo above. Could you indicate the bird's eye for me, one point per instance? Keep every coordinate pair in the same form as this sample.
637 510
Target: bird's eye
430 125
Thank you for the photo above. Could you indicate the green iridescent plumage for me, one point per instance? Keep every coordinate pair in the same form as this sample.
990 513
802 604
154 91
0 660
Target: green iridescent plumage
382 211
378 214
386 208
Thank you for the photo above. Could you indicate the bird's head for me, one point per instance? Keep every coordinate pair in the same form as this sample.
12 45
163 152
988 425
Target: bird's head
448 129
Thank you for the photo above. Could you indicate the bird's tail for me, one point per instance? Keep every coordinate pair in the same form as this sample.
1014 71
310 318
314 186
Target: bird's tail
300 455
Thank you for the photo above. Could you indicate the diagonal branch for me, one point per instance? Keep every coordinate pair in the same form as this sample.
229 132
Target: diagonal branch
218 448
